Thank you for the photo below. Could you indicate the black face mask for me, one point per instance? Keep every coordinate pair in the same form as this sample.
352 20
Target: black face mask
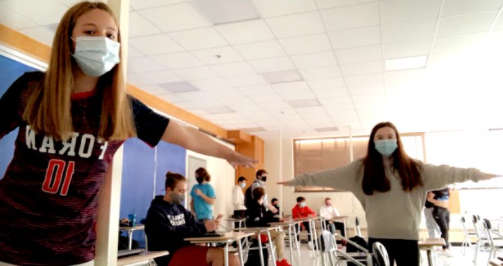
199 180
264 178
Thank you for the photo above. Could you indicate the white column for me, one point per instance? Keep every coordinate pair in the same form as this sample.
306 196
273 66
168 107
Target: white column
110 193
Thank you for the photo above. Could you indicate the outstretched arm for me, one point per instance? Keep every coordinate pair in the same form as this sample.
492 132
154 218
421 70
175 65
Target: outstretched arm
194 140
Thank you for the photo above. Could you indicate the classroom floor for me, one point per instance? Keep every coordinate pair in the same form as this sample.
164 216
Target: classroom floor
457 260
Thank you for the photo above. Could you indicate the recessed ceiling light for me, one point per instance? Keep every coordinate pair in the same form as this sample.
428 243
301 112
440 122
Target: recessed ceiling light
327 129
282 76
179 87
406 63
219 110
220 12
304 103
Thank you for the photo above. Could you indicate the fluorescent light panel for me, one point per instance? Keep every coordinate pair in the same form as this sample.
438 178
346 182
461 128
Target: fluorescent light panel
327 129
179 87
282 76
220 12
406 63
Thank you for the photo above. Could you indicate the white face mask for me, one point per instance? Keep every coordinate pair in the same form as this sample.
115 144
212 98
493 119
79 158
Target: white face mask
96 55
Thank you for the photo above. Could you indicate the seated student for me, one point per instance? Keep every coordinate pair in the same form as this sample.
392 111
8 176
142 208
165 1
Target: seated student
257 216
302 211
168 223
275 204
328 211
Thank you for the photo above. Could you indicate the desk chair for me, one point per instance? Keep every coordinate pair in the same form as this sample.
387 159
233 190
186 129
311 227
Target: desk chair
467 241
362 257
492 236
380 254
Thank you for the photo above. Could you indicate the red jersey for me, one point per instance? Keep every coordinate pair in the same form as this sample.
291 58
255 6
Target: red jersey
49 193
298 212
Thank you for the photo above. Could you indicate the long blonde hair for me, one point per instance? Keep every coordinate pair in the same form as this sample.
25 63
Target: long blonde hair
49 107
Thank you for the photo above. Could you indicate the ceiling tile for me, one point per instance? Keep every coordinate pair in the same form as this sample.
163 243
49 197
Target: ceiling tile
362 68
291 87
351 17
38 11
314 60
143 64
356 37
406 49
155 77
195 73
244 81
171 98
272 64
182 88
326 4
245 32
361 54
143 4
294 96
407 31
282 76
269 8
393 11
193 39
321 73
14 20
306 44
140 26
305 24
258 90
220 55
175 17
154 89
260 50
373 81
155 44
178 60
459 7
132 52
212 84
466 24
327 83
41 34
225 11
234 69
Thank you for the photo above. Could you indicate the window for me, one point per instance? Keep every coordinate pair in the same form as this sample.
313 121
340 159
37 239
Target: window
314 155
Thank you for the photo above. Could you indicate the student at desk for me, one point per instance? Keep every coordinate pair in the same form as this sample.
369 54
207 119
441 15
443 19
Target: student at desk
257 216
329 212
302 211
169 223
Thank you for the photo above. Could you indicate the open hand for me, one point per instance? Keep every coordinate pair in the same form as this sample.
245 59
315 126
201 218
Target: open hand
284 183
198 192
237 159
211 225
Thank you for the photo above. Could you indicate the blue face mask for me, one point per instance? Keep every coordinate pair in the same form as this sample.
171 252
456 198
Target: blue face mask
243 185
302 204
96 55
386 147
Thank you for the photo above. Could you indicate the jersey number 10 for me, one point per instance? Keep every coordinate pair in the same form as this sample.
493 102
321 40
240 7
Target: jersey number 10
55 174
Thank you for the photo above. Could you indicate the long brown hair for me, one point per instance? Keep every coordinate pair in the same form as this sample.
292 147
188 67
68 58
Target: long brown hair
374 177
49 108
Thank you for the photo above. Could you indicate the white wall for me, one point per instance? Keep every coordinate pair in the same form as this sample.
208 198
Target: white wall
222 180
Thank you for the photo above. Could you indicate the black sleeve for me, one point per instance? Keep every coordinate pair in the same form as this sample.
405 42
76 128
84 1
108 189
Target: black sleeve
255 217
161 226
197 228
11 103
150 126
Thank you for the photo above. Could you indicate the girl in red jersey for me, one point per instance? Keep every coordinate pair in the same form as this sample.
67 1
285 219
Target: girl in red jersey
71 120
